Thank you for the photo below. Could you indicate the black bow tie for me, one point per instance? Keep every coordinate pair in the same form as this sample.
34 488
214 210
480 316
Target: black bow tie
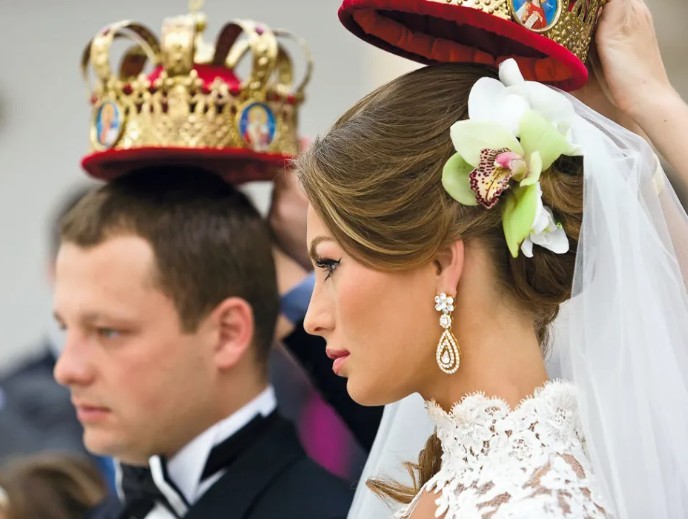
141 493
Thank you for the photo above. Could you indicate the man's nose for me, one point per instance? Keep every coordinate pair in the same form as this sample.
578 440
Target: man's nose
73 365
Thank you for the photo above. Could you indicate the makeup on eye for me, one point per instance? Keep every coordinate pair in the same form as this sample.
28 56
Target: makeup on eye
327 264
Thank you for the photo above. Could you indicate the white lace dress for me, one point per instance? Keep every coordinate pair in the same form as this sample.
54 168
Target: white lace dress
529 462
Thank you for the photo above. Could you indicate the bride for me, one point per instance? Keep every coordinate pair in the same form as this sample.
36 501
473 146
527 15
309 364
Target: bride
463 226
444 284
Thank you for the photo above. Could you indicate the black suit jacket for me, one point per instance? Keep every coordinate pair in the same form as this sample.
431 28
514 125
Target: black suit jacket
272 478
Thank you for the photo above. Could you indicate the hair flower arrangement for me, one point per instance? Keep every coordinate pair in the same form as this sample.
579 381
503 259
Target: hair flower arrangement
516 130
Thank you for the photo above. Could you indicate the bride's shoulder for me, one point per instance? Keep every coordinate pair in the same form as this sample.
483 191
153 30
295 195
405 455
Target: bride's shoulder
529 461
423 507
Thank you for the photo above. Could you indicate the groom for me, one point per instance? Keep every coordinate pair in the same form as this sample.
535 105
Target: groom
165 285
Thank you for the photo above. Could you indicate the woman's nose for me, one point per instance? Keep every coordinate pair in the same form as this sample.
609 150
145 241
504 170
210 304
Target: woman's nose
318 320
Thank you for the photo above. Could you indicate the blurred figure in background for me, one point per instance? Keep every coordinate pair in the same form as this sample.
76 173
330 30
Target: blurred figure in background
50 486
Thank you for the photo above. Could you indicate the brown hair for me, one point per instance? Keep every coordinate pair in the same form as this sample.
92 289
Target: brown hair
375 180
209 241
51 486
66 204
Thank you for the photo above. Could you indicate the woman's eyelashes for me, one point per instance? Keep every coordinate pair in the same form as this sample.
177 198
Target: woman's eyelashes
328 265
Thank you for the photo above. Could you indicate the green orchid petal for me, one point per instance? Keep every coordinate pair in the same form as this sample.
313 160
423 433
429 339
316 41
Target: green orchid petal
534 169
456 182
518 215
471 137
538 134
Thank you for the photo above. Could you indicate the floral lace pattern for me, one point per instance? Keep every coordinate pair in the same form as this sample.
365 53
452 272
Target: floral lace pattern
529 462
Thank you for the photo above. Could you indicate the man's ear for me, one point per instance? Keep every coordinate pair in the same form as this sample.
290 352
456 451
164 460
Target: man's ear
449 262
233 331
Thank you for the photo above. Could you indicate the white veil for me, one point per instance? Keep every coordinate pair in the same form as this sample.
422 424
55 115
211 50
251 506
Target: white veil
622 338
403 431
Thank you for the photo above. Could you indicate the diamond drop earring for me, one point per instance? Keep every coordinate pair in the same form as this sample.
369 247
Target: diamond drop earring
448 352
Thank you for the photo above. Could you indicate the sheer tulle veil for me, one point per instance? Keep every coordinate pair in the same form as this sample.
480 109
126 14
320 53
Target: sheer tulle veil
622 338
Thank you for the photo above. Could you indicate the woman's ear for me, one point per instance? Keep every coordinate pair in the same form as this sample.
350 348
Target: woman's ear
233 331
449 261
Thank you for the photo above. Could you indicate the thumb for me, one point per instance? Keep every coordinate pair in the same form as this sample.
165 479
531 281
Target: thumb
615 14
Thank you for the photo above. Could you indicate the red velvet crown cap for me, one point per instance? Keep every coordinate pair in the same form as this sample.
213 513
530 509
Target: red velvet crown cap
430 32
235 166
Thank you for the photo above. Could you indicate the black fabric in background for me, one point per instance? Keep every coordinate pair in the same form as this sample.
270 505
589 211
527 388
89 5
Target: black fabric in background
309 350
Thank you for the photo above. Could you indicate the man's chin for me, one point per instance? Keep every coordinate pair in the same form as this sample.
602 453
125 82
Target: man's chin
104 444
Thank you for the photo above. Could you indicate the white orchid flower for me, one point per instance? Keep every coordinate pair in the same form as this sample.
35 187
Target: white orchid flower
509 98
515 131
545 231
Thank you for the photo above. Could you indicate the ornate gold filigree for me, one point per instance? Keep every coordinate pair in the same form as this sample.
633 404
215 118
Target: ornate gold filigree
174 107
496 7
573 26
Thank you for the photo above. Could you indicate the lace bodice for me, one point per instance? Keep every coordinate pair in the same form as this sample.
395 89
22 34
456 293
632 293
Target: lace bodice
529 462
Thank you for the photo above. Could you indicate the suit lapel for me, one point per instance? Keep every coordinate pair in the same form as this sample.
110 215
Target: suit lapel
245 479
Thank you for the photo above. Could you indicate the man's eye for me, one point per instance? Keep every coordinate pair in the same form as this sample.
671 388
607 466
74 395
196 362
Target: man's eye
328 265
108 333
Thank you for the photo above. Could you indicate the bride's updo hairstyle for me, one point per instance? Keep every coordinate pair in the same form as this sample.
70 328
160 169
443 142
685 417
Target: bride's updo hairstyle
375 180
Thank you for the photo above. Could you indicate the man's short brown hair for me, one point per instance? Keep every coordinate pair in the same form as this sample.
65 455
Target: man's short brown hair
209 241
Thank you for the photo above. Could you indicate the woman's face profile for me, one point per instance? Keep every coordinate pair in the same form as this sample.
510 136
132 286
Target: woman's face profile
380 326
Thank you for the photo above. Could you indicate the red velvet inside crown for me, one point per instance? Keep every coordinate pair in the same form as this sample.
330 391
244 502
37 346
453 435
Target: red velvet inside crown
433 32
234 165
207 74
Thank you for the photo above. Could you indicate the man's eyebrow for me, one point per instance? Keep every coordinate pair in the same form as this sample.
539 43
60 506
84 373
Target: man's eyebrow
314 243
88 319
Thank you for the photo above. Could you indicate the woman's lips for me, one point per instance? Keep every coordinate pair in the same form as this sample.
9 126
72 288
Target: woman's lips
339 357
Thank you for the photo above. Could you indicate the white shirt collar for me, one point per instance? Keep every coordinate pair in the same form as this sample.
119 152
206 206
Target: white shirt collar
186 467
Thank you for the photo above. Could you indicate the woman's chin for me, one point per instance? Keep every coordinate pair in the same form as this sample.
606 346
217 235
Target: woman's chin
370 395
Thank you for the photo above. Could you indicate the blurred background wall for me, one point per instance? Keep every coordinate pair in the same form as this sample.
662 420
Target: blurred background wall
44 114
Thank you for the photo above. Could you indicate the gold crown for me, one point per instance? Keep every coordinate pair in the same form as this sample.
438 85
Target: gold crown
570 25
194 97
